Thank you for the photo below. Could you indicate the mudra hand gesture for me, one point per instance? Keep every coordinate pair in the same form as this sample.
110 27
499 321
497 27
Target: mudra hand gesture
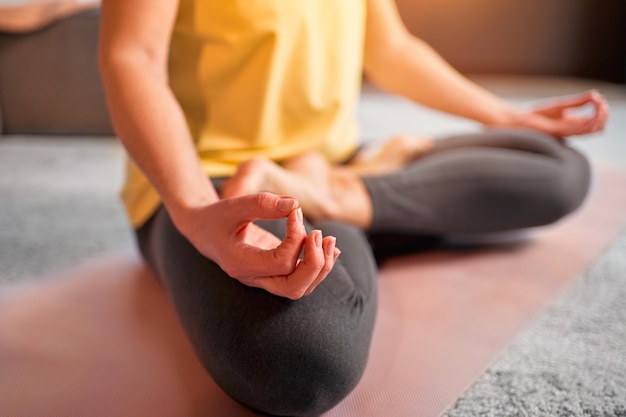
558 116
225 233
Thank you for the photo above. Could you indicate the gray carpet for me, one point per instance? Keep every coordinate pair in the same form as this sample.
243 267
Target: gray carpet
58 203
571 362
59 206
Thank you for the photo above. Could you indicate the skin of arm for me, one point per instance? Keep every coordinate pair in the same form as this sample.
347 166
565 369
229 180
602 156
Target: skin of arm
133 64
133 51
401 63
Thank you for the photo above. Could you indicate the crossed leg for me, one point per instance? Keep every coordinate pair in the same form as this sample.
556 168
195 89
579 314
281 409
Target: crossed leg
301 358
328 191
486 182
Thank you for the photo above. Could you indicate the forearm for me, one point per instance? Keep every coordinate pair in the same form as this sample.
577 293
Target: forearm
414 70
152 127
400 63
133 53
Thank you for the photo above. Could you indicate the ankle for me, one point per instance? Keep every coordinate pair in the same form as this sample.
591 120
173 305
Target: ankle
351 202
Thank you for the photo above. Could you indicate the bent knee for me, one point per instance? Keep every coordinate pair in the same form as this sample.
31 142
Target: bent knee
296 384
572 189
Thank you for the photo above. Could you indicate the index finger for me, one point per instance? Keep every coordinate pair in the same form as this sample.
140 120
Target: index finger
556 106
312 269
577 100
287 253
602 112
594 122
281 260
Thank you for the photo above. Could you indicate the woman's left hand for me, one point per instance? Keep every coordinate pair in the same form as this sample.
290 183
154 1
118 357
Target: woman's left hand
557 116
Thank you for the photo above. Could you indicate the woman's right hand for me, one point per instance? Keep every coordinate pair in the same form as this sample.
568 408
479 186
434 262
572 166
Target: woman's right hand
224 232
134 46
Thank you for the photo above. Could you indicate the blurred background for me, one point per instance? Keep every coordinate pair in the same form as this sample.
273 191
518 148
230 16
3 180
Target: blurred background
49 82
584 38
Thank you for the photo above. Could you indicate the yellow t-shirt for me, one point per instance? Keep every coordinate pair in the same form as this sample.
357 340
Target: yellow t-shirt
261 77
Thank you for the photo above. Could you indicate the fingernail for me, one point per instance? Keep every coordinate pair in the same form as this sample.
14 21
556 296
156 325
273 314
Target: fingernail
337 253
330 247
286 204
299 215
317 239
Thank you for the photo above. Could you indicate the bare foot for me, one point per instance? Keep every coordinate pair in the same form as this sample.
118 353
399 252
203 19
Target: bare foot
252 176
339 190
393 155
324 192
306 179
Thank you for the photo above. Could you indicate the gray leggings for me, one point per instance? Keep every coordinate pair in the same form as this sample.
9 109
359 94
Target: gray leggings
300 358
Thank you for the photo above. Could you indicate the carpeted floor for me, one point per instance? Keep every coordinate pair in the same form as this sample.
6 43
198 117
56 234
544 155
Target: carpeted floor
571 361
58 203
58 206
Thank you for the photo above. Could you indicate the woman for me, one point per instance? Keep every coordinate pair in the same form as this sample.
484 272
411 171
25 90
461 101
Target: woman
263 92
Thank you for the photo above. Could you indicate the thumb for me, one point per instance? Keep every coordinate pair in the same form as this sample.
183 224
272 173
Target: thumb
265 206
556 106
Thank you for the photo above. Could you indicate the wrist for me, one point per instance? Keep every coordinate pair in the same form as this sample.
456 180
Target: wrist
183 204
505 116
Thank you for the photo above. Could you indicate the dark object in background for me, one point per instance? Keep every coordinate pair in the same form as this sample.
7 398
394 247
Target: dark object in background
49 80
575 38
604 49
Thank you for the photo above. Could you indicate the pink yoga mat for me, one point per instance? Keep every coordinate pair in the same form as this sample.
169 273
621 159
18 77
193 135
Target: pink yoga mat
103 340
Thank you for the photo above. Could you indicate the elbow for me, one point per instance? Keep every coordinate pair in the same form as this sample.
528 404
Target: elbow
381 63
111 63
105 63
115 63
